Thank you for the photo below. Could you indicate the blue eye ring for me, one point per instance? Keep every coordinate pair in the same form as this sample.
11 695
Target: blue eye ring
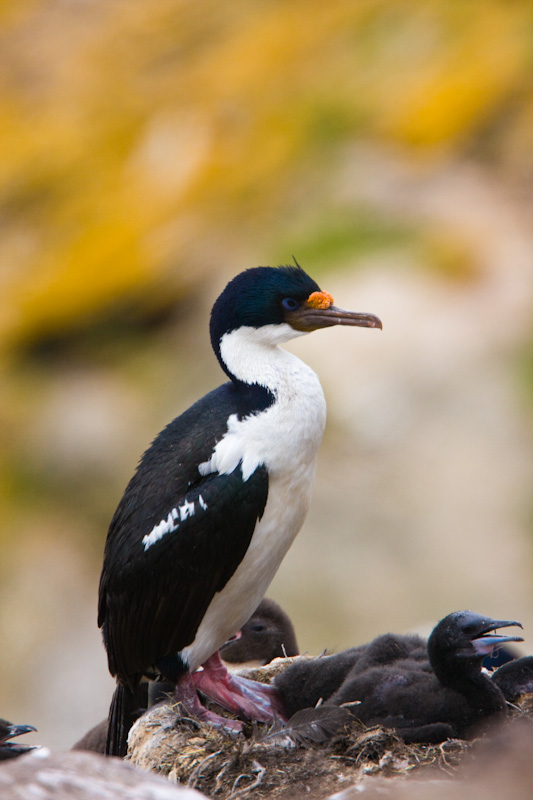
290 304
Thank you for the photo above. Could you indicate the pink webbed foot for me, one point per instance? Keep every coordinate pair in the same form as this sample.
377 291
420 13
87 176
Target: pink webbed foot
186 694
240 696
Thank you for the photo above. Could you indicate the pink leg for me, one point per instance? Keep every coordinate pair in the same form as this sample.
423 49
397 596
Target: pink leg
239 695
187 695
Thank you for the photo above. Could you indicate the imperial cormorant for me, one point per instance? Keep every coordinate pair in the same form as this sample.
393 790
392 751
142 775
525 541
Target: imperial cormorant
452 700
428 691
216 502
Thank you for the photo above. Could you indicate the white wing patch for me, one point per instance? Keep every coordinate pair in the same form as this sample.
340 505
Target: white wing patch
172 522
186 510
229 452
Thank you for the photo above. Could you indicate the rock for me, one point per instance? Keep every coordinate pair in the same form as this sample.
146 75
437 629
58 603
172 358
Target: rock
47 775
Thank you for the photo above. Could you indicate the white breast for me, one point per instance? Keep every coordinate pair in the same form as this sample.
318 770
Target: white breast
285 438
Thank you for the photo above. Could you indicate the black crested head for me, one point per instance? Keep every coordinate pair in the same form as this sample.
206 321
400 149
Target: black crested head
256 297
285 299
460 641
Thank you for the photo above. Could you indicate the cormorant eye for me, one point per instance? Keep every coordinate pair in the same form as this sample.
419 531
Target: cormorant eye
258 627
290 304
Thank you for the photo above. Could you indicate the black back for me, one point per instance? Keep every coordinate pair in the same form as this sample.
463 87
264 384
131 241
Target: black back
152 600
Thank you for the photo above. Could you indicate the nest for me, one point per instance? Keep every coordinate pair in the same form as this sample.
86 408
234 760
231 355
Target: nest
315 760
266 763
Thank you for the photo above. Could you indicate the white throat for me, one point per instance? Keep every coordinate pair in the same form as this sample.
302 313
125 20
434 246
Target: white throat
284 438
253 355
287 434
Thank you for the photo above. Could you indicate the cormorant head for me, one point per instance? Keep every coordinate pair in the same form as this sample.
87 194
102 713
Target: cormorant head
461 640
283 301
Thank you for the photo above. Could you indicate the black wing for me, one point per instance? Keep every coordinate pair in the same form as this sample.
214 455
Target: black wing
176 538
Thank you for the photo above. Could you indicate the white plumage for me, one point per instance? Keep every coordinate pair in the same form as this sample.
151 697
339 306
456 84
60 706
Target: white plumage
285 438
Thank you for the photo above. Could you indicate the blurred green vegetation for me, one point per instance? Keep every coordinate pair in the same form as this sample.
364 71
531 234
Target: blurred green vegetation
332 237
147 147
141 141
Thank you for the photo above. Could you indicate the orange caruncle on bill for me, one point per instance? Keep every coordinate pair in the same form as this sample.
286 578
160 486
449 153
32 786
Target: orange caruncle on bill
320 300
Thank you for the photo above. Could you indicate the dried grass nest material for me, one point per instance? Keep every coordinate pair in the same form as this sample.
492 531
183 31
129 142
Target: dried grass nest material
264 763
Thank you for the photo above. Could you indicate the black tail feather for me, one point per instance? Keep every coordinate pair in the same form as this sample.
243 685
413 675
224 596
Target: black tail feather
126 707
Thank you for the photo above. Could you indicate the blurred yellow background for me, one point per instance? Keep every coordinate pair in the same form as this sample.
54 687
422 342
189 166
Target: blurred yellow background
149 152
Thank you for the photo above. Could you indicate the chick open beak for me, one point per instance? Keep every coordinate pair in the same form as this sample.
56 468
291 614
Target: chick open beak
486 641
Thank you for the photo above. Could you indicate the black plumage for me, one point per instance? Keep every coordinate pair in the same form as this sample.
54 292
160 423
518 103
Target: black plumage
215 503
515 678
8 731
164 482
451 700
309 681
427 694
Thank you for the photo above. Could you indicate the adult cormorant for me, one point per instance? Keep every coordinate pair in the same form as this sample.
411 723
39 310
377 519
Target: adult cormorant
216 502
